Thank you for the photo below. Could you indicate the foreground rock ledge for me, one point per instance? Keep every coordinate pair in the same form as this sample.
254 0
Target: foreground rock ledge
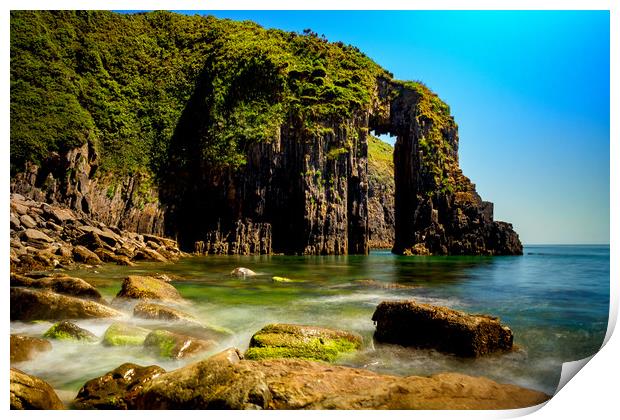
409 323
219 383
31 393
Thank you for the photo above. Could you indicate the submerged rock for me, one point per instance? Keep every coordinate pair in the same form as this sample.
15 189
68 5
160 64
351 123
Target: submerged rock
300 341
121 334
66 330
170 345
64 285
409 323
31 304
242 272
116 389
143 287
149 310
181 322
31 393
25 348
220 383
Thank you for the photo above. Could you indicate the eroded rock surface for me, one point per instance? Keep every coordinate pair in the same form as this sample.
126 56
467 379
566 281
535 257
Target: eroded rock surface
299 384
31 393
409 323
116 389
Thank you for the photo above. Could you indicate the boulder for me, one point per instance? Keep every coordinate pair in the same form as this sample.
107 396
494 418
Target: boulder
147 254
409 323
85 255
31 393
65 285
34 235
68 331
145 288
31 304
242 272
27 221
220 383
58 214
116 389
121 334
25 348
170 345
300 341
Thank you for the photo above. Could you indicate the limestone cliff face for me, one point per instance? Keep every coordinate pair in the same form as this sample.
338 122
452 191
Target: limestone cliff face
437 208
130 203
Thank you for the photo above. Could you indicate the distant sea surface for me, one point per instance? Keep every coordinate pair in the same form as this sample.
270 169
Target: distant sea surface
554 298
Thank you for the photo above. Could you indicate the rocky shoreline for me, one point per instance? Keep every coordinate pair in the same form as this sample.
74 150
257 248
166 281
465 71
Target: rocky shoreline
45 236
286 366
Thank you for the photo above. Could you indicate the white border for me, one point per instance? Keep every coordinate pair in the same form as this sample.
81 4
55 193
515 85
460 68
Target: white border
592 394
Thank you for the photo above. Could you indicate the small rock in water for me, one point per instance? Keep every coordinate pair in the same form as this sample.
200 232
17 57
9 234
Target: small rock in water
121 334
168 344
242 272
26 348
66 330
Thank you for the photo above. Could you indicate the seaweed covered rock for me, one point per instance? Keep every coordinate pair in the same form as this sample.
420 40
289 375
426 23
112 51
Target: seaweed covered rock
409 323
31 393
66 330
300 341
148 288
37 304
171 345
25 348
116 389
64 285
121 334
219 383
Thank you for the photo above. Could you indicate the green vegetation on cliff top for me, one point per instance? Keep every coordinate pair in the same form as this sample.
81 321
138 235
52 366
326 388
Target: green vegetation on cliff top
122 81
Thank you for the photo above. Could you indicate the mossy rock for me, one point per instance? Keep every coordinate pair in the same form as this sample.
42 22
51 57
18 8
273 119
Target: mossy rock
299 341
170 345
146 288
68 331
120 334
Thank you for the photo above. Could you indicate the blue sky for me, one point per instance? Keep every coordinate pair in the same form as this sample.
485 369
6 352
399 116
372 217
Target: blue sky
528 89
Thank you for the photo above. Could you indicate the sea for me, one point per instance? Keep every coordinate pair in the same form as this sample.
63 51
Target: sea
554 298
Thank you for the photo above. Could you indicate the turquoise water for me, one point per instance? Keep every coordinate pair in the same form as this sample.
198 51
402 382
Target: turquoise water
555 299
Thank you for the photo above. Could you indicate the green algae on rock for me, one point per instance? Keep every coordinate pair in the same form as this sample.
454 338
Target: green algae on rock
170 345
148 288
121 334
299 341
66 330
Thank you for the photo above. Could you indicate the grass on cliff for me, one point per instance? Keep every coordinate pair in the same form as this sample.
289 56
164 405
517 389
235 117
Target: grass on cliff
122 81
380 162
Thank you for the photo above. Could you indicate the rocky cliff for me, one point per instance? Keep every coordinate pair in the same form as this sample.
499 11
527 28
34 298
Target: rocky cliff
380 194
234 139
